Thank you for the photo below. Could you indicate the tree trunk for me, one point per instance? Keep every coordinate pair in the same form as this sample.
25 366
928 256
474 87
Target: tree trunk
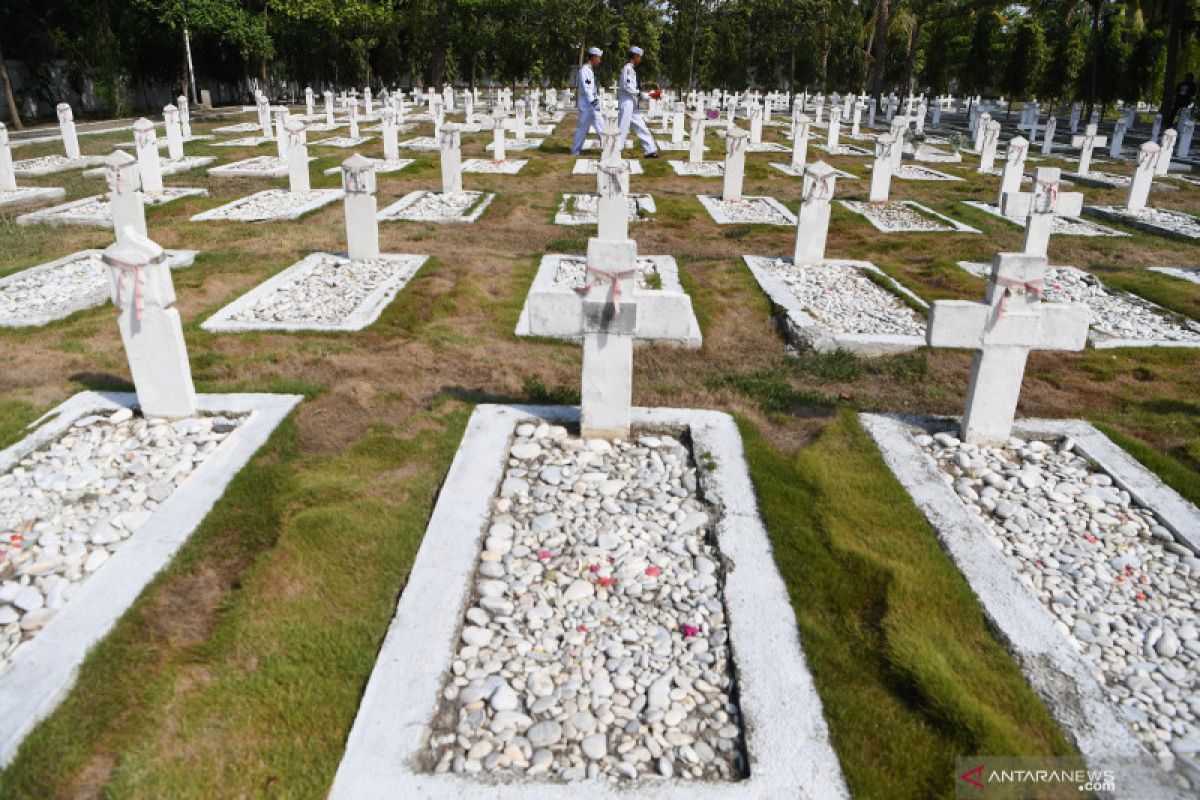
879 61
1097 7
14 113
914 36
692 54
1174 34
440 26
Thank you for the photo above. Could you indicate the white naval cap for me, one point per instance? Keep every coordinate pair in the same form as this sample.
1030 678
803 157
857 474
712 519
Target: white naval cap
636 51
594 51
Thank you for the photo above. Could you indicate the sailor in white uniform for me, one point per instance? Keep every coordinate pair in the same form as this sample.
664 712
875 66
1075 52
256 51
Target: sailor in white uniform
627 104
589 100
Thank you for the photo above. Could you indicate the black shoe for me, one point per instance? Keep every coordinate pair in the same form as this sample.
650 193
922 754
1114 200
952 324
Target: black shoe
655 154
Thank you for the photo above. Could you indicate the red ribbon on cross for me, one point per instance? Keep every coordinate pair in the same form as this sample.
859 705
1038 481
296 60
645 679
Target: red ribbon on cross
1036 287
125 270
614 279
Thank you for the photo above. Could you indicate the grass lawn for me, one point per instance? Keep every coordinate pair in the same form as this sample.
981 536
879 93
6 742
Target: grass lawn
239 670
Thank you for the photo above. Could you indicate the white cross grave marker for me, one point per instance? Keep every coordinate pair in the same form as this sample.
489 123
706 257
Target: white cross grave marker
1166 148
185 118
1014 167
800 127
1009 323
1143 176
174 133
125 202
1048 136
835 129
1118 138
362 226
696 137
735 164
147 156
881 171
1186 131
297 156
990 132
1086 143
389 129
66 124
451 151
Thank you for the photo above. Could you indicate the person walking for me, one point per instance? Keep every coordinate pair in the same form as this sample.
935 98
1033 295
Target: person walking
627 103
589 100
1185 96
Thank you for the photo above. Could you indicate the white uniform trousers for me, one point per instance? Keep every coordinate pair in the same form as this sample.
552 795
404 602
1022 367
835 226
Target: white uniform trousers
587 119
630 117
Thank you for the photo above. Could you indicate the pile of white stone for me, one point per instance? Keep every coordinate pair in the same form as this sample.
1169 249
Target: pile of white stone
905 216
845 300
66 508
1163 219
583 209
572 272
1115 314
596 643
269 204
78 282
327 292
424 206
1119 584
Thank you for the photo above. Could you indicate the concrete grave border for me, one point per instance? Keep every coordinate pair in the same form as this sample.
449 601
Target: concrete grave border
321 198
245 141
700 169
1119 214
1099 339
1085 227
790 169
366 313
178 260
382 167
62 214
166 166
1183 273
905 173
238 169
1062 676
786 734
60 164
517 145
802 329
342 141
653 304
591 166
716 209
29 196
44 669
485 166
393 213
958 227
845 150
644 202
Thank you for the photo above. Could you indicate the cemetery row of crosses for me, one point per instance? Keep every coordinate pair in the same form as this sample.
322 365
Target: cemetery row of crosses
596 639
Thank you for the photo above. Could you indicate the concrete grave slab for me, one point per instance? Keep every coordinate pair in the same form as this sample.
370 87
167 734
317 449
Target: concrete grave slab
48 165
165 165
786 738
698 169
44 668
29 196
591 166
356 294
517 145
660 295
426 205
1062 226
40 295
257 167
845 150
581 209
421 143
245 141
798 172
343 141
242 127
97 210
906 216
1054 661
1172 224
835 306
747 211
485 166
271 205
1116 318
381 166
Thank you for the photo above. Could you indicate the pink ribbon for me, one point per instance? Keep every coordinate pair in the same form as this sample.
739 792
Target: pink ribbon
143 137
114 179
128 270
1051 190
614 279
1037 287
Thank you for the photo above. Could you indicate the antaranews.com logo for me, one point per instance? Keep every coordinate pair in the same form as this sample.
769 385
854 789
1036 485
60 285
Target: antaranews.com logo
992 778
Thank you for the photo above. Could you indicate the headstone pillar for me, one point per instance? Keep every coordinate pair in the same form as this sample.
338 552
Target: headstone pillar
1186 131
1118 138
388 128
835 129
696 138
812 225
66 124
353 120
1166 149
800 127
1043 206
128 213
881 172
309 106
520 124
1014 167
987 153
451 158
147 156
329 108
1143 177
677 117
735 164
174 134
185 116
139 275
612 203
264 115
1048 136
8 178
297 157
499 153
362 227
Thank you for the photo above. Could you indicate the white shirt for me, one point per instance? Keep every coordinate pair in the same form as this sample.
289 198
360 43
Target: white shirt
587 86
629 83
